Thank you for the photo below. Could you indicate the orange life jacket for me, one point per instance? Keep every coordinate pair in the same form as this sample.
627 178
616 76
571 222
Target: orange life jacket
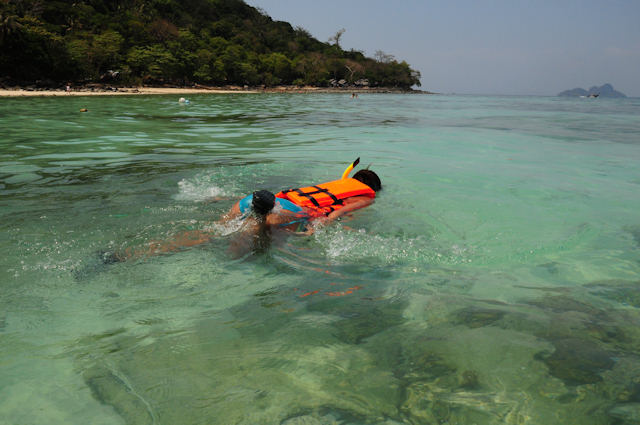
324 198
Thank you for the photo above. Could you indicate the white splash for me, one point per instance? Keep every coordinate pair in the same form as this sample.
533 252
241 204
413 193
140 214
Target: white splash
225 228
198 190
340 244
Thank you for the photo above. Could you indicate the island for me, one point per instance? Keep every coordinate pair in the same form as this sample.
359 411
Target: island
106 45
605 90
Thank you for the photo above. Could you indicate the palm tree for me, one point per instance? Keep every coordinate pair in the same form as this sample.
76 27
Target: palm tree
8 25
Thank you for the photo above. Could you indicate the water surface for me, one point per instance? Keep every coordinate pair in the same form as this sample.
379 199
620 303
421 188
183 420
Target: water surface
495 279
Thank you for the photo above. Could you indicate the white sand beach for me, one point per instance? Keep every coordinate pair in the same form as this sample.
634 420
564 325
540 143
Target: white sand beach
120 91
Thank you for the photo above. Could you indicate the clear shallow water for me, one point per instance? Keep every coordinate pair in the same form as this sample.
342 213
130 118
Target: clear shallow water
495 280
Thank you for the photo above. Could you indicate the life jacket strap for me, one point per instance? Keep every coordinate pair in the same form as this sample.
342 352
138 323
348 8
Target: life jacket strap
329 211
309 195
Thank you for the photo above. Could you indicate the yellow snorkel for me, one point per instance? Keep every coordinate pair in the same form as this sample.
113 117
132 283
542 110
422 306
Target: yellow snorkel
349 168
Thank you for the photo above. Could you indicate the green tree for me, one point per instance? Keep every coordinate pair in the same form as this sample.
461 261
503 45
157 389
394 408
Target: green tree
93 55
31 52
106 50
153 63
212 41
278 67
9 24
209 68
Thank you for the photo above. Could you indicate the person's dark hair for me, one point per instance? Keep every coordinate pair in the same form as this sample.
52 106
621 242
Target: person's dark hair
369 178
263 202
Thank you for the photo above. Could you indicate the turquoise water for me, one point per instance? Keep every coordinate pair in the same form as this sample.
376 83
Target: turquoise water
495 279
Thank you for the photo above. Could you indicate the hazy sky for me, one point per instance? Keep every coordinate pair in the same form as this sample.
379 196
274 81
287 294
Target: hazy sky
486 46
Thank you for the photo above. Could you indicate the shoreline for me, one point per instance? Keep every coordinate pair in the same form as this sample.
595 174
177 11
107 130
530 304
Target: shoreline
98 90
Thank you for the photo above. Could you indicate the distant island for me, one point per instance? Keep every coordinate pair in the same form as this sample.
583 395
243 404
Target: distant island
213 43
605 90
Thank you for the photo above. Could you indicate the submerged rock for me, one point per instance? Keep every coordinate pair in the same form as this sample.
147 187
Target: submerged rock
631 393
364 324
112 390
576 361
423 366
634 231
621 291
573 319
361 319
563 304
627 412
237 369
469 380
477 317
550 267
303 420
428 404
607 332
327 415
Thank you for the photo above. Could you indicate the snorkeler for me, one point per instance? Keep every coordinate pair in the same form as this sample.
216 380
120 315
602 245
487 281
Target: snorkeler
262 213
265 209
300 210
294 209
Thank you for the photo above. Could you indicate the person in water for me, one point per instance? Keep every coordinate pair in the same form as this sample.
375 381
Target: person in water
263 212
294 209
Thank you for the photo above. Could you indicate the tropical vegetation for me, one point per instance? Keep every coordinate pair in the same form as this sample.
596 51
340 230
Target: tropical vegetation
209 42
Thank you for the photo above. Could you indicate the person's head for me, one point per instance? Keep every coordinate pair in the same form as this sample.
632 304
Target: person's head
263 202
369 178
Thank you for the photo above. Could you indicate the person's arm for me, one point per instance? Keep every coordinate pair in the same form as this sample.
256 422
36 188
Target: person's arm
233 213
350 204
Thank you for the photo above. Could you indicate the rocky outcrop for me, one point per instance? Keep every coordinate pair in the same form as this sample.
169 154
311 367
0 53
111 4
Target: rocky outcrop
606 90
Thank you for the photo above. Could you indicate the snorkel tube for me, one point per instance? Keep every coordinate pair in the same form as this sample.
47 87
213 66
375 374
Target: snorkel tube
349 168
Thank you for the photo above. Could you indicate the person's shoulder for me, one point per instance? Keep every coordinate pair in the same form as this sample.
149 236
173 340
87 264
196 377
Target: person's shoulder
277 219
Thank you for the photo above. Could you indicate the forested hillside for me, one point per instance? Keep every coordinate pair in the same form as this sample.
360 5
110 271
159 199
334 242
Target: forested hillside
211 42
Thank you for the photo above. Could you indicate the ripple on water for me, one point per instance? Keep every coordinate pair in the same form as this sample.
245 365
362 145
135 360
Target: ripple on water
432 315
